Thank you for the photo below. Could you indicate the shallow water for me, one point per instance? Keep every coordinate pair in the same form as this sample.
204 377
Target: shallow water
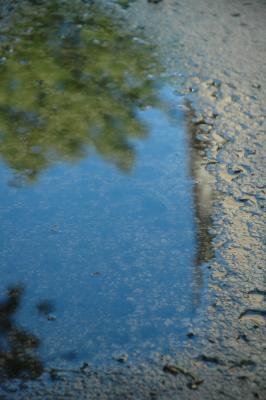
99 224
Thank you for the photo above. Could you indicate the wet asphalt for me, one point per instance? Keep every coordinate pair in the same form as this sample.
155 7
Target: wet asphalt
214 56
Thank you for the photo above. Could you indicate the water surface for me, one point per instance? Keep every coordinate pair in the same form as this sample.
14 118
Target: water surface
98 222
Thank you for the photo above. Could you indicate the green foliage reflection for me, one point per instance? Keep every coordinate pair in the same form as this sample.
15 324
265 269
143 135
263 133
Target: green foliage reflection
68 84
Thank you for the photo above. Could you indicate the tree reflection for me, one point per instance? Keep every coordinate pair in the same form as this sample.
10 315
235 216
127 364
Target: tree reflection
70 83
17 346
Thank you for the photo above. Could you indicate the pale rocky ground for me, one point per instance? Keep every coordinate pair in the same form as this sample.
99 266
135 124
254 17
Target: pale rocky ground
213 51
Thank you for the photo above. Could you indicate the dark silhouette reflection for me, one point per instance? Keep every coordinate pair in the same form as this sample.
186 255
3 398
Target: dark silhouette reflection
45 307
18 357
71 82
202 197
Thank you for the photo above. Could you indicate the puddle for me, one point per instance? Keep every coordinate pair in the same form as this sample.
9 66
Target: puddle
101 223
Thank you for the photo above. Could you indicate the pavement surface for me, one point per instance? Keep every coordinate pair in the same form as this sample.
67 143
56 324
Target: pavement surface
214 54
